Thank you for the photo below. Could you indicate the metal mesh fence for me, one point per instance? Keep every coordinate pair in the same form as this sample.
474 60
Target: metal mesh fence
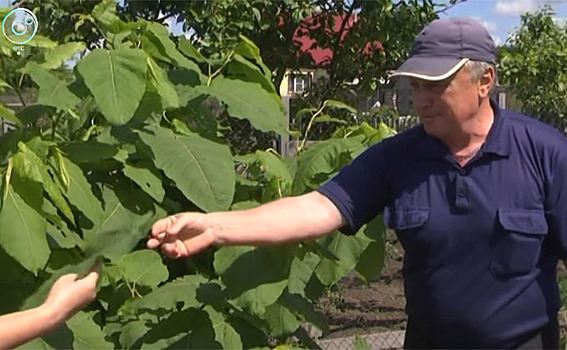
384 340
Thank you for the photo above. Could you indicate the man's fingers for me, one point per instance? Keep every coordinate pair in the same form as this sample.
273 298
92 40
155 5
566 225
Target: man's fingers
181 249
169 250
179 222
177 249
162 225
172 224
153 243
197 244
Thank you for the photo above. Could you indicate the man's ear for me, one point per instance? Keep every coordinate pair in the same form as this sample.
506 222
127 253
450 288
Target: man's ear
486 83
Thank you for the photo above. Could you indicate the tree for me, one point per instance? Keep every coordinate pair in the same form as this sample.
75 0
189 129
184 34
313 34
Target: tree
273 25
533 65
389 26
131 134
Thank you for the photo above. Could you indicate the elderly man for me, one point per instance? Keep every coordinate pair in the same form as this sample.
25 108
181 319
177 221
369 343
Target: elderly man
477 196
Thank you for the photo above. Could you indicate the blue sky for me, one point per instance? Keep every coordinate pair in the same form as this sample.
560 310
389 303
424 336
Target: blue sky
500 17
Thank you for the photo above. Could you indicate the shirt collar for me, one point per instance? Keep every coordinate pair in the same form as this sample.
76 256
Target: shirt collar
497 141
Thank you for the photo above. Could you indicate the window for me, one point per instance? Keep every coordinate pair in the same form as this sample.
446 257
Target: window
298 83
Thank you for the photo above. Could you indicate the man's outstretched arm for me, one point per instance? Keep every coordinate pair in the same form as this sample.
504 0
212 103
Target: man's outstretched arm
285 220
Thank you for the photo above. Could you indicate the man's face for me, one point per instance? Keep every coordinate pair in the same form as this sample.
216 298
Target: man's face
443 106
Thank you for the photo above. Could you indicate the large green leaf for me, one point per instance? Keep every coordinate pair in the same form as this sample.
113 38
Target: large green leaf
55 57
187 85
105 14
254 291
160 46
167 296
52 90
303 308
189 50
302 268
37 344
323 157
246 100
248 49
281 321
15 284
117 80
241 68
9 115
274 166
147 179
349 250
143 267
128 216
42 41
187 329
371 261
4 85
225 334
89 152
29 165
86 333
64 237
202 169
31 113
131 332
79 192
160 82
339 105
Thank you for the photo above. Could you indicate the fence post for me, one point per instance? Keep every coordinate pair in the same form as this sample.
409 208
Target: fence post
284 139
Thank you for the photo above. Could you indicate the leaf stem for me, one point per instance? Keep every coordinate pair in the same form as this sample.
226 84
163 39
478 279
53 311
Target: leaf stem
217 72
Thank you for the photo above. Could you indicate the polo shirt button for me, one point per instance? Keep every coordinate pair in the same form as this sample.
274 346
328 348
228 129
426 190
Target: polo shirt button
462 171
462 194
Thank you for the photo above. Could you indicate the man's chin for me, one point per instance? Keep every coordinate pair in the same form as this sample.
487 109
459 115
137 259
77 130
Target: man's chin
431 127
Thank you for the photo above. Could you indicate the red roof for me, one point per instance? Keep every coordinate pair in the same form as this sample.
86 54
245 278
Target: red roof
322 56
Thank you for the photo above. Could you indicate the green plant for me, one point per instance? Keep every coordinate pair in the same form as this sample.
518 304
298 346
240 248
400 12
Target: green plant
533 65
132 134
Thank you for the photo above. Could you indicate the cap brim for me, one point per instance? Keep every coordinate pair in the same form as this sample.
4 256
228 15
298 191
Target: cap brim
430 68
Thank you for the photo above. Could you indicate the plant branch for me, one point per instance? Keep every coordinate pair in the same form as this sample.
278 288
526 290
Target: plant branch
311 121
337 42
450 6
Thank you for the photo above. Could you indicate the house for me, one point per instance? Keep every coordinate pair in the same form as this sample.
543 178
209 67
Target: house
316 57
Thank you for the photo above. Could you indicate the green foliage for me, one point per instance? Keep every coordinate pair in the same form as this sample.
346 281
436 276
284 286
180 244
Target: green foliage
533 65
130 135
360 343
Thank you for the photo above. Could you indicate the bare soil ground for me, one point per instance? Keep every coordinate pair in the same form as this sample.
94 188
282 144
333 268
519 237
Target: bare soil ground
357 307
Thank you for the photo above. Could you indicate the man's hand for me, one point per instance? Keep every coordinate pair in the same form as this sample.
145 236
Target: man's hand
182 235
70 294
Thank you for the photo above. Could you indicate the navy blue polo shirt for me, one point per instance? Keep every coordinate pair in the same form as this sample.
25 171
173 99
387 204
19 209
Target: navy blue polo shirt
482 241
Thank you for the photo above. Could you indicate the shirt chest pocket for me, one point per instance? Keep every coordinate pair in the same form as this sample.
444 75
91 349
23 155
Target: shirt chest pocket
404 218
518 243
